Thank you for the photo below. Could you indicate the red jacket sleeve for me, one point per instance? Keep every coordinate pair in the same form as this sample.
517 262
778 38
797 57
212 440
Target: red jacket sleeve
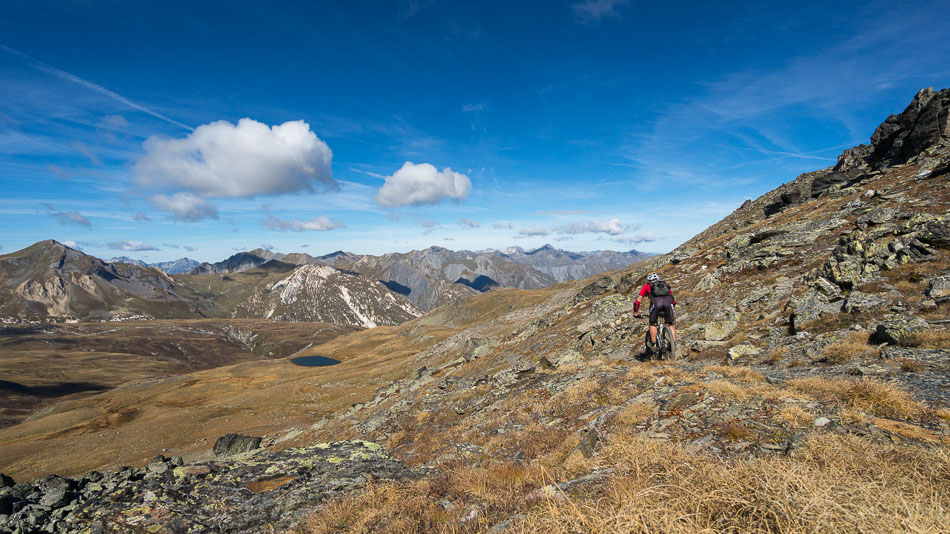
645 290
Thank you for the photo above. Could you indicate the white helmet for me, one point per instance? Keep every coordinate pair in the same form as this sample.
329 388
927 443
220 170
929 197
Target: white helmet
653 277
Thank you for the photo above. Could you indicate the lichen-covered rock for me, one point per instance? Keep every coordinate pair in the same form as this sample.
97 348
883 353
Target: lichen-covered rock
858 302
939 287
718 330
896 329
742 350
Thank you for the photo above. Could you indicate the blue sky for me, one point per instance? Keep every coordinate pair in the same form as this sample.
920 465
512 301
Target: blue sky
159 129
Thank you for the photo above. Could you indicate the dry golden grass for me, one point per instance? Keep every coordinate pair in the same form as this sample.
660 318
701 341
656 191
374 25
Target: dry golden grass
944 413
775 356
898 428
728 390
928 339
793 415
737 373
909 365
837 484
632 414
866 394
855 345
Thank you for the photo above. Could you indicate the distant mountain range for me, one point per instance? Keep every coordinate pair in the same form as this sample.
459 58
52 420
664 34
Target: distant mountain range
179 266
51 281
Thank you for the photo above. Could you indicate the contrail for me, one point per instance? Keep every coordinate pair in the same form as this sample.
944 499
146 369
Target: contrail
97 88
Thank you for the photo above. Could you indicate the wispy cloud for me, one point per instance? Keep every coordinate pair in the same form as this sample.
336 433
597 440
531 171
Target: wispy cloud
94 87
594 10
468 223
131 246
68 217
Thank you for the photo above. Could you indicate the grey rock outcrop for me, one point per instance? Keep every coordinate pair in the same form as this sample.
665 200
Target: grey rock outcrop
249 495
234 444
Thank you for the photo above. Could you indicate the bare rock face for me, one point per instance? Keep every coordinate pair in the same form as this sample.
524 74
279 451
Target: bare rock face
924 123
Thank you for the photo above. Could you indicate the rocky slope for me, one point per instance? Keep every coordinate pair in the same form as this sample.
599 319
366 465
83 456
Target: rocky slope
811 397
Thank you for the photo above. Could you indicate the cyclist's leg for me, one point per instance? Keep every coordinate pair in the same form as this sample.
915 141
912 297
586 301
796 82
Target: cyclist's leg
654 319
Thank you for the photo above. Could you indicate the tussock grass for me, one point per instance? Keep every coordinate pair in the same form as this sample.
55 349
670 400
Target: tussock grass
854 346
866 394
632 414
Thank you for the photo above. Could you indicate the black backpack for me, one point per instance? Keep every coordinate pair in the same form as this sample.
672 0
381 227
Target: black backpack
660 289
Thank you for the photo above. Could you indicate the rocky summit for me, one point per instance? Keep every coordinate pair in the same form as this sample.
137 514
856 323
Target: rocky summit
809 393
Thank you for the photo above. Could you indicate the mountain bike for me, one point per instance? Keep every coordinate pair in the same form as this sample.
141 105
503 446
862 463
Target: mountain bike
665 345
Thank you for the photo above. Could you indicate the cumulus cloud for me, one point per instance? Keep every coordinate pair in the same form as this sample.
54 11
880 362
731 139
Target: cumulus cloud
68 217
612 227
320 223
185 207
423 184
468 223
644 237
533 230
142 217
594 10
131 246
224 160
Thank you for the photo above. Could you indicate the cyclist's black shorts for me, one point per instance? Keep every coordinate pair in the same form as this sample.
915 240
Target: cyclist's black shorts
660 305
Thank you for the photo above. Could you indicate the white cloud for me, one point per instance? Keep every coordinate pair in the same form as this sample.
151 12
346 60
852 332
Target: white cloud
320 223
185 207
423 184
502 226
468 223
612 227
533 230
221 159
594 10
141 217
131 246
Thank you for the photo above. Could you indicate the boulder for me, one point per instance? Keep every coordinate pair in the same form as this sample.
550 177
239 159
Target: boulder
858 302
6 482
939 287
896 329
232 444
742 350
55 491
719 330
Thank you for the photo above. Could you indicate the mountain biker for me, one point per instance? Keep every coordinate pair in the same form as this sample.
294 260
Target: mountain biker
661 301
